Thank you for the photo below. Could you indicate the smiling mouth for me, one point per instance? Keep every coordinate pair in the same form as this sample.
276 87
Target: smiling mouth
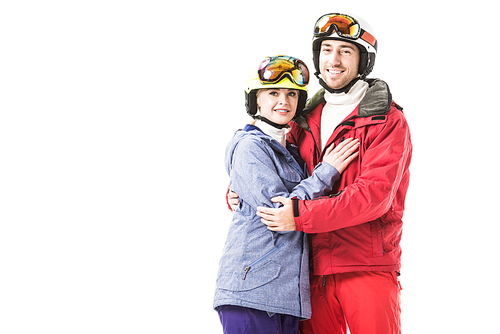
335 72
281 110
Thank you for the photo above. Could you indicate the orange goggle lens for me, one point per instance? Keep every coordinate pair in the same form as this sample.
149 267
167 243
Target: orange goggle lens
344 25
273 69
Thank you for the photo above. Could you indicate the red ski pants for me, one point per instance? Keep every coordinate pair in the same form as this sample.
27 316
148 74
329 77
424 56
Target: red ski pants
367 302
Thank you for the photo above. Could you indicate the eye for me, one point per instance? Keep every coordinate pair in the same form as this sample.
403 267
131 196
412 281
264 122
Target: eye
273 93
292 94
326 48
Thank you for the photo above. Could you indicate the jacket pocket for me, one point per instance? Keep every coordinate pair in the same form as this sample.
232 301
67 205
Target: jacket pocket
254 278
377 245
254 275
259 261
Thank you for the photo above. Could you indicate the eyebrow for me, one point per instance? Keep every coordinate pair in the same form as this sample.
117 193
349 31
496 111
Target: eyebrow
342 45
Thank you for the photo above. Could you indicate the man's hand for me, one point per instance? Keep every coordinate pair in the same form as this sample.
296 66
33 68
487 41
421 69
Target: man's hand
278 220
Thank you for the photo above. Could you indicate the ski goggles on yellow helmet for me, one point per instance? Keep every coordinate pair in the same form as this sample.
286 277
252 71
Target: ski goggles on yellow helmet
274 69
344 25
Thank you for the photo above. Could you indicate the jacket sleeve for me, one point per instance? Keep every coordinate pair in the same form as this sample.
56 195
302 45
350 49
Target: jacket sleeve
254 177
370 196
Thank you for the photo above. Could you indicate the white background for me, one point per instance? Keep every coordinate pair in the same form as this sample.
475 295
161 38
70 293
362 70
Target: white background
114 116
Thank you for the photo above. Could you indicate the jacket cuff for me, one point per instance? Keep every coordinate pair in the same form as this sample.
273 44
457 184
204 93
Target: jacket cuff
332 172
296 214
295 203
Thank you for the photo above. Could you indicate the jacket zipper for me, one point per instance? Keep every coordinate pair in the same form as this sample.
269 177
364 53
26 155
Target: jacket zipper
316 149
317 152
268 254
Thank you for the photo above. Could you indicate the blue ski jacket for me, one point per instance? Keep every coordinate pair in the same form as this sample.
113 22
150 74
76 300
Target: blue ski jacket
261 269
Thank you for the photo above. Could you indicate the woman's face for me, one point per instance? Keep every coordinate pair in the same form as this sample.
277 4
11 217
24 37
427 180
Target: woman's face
278 105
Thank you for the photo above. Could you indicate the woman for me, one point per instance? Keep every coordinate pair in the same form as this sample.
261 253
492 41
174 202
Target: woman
263 280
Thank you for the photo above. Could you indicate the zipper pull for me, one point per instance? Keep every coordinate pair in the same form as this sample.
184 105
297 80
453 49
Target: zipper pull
245 272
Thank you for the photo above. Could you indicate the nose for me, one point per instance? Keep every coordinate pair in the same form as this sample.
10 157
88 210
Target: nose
282 98
334 59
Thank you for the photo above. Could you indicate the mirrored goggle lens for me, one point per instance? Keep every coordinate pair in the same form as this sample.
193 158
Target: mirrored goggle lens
345 26
273 69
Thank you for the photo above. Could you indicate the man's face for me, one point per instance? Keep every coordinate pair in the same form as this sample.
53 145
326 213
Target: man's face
338 61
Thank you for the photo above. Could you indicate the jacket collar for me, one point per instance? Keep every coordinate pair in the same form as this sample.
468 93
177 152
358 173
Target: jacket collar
275 144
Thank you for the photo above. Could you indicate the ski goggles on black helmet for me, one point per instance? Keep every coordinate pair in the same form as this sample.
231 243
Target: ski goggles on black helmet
274 69
344 25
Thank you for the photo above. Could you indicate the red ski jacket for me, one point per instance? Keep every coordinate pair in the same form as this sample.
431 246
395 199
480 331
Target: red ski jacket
358 227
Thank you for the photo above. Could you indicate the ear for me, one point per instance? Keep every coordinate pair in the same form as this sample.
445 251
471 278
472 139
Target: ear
250 103
257 99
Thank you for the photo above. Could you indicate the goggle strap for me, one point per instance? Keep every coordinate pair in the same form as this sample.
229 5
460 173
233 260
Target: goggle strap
367 37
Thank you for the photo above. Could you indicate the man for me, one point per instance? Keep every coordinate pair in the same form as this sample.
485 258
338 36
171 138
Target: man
355 232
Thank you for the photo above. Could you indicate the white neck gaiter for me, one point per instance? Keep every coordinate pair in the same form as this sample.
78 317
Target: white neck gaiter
278 134
339 106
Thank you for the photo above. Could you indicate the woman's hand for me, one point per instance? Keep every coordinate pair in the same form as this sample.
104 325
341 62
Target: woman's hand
233 200
342 155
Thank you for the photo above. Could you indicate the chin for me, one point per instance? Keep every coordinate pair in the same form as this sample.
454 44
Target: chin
281 122
337 84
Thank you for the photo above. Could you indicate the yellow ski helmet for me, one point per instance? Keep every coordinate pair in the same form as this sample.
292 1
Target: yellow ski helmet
277 72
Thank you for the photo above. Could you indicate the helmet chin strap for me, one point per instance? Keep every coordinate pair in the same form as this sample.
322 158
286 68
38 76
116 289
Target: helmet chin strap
344 89
276 125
